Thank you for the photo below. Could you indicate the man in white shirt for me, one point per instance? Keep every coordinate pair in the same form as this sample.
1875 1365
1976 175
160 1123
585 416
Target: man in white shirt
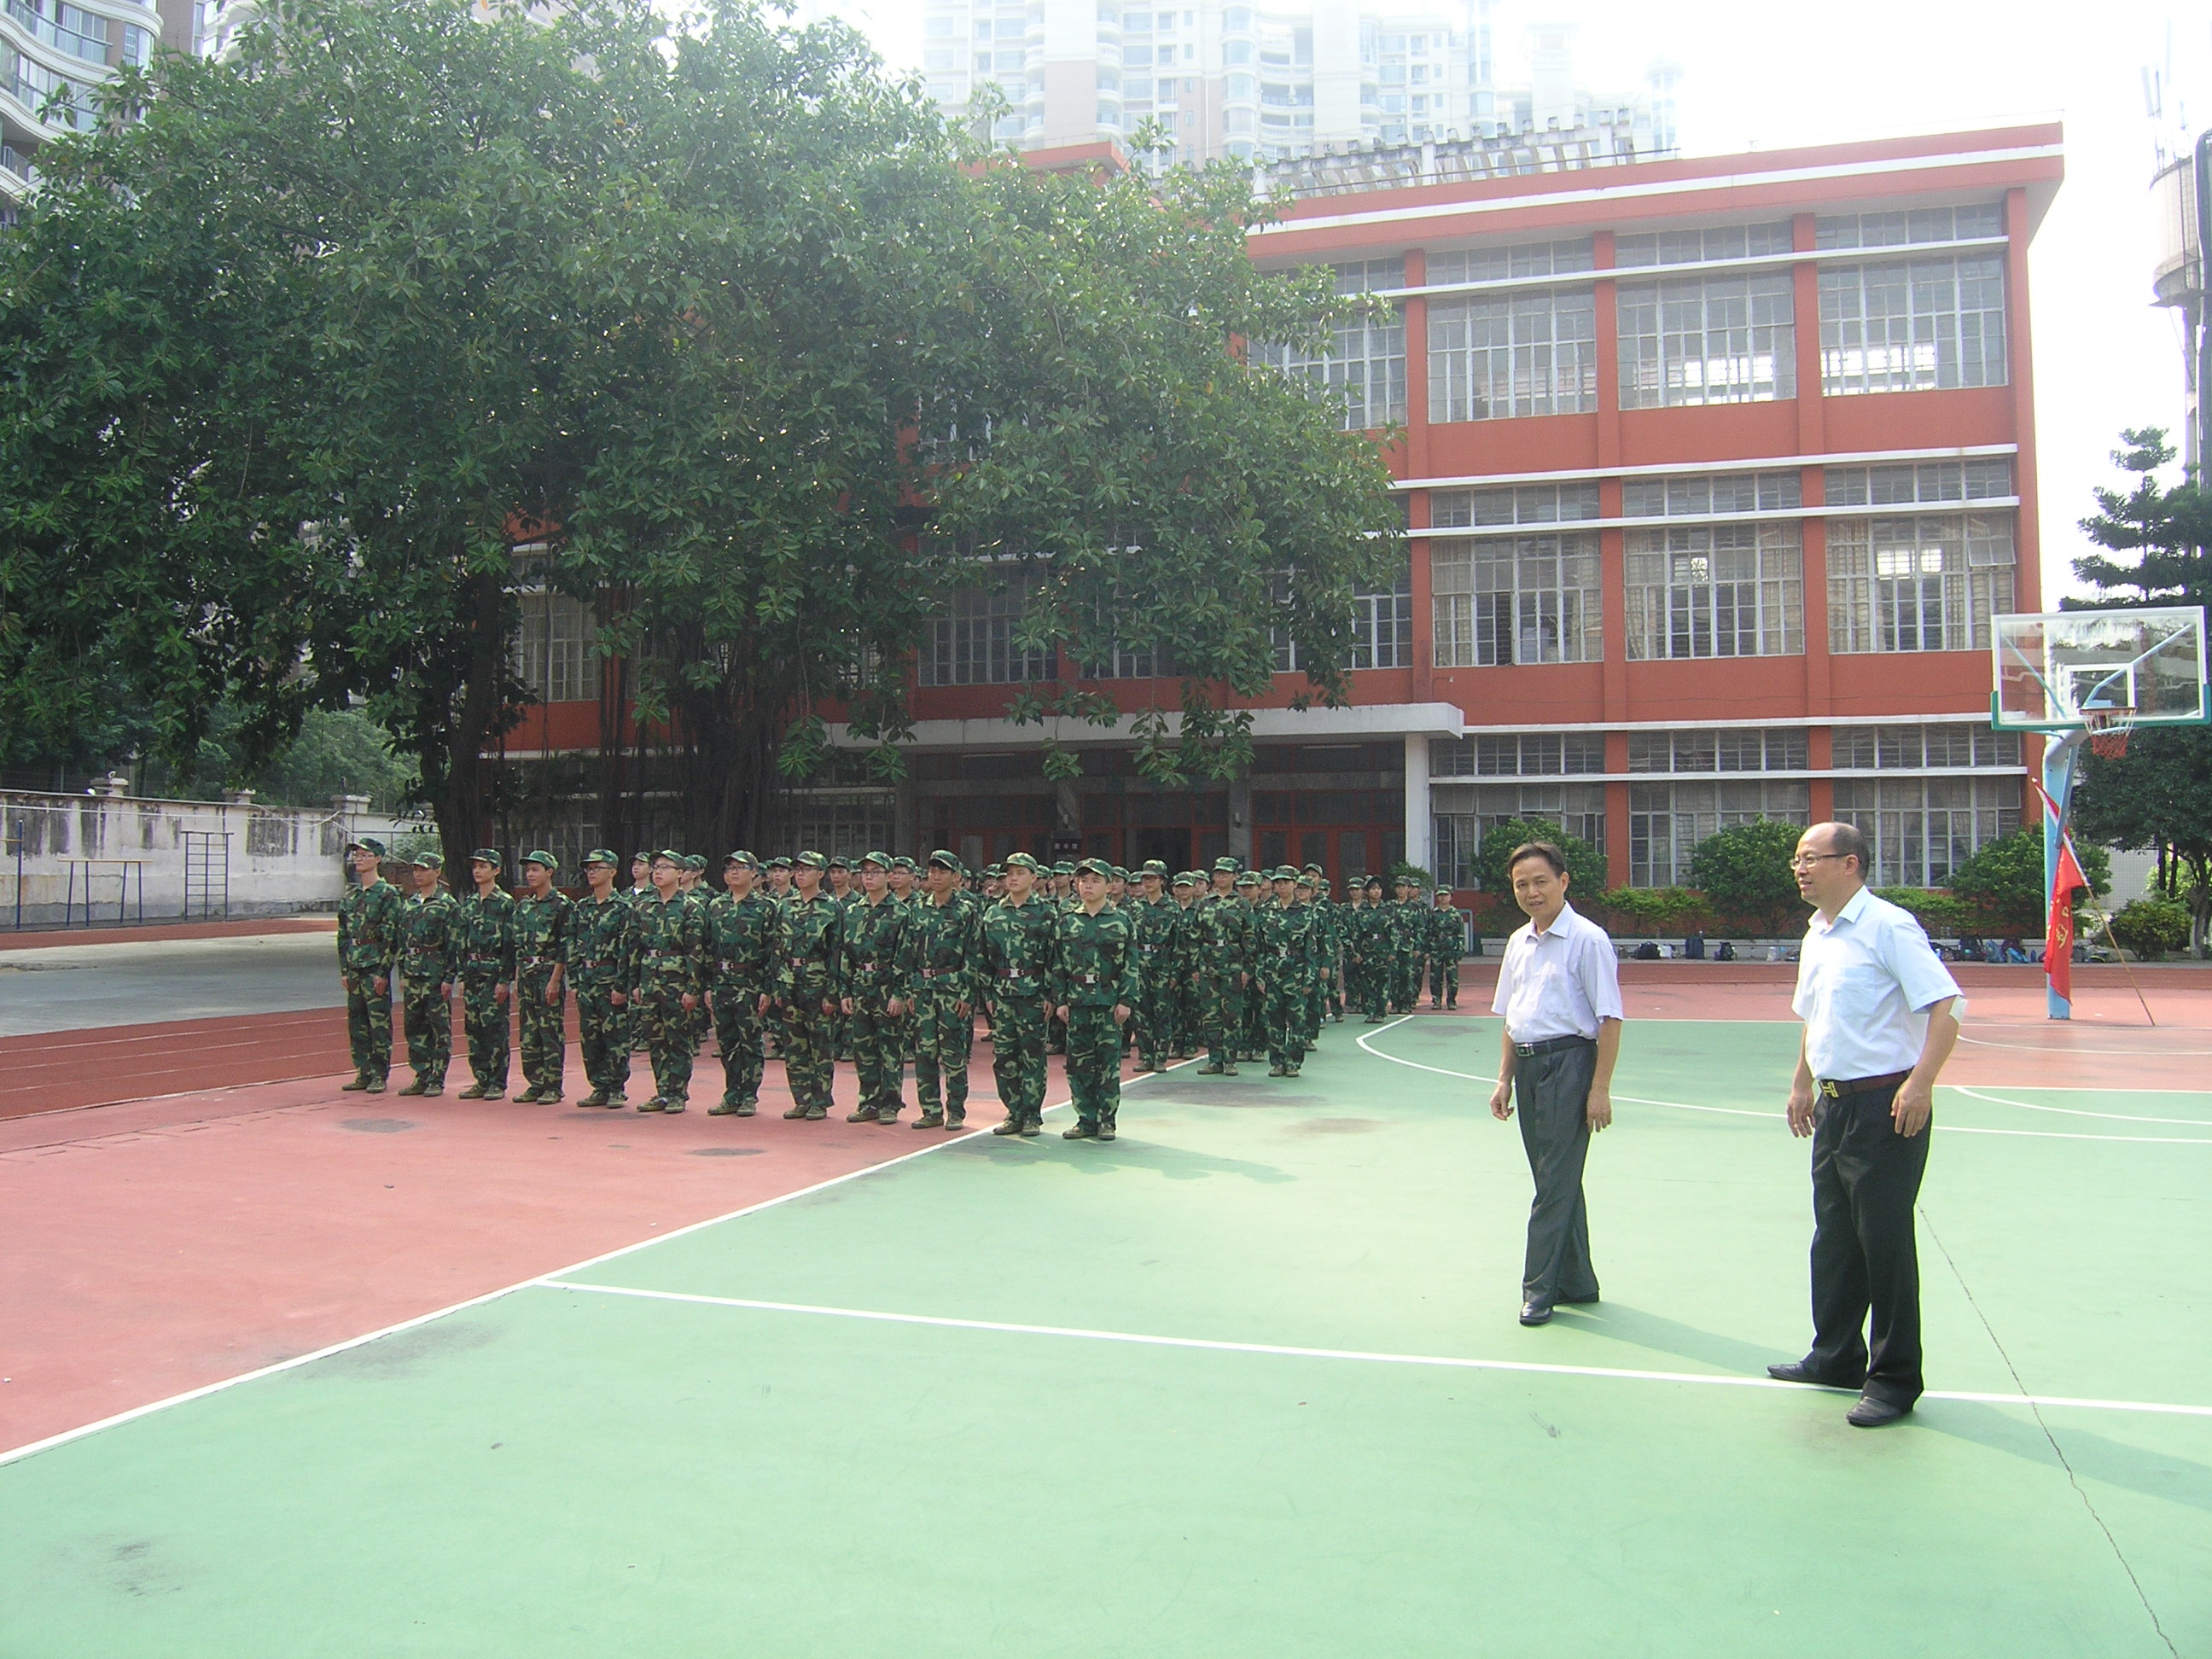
1881 1015
1558 991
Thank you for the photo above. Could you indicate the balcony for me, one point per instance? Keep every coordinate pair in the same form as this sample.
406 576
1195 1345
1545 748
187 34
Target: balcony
91 49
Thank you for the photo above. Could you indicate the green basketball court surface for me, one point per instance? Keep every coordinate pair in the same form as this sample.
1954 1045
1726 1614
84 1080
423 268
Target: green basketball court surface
1248 1381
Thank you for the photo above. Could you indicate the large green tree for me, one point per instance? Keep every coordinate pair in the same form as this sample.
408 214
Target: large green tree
2158 795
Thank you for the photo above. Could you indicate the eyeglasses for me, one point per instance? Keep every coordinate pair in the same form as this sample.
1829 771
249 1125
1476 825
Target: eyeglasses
1807 861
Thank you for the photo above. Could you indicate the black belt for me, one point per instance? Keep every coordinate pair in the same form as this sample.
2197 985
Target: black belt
1552 1045
1836 1088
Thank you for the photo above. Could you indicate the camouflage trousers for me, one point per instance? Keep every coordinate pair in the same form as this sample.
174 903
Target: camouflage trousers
672 1037
879 1045
1443 978
1254 1038
1317 1009
603 1029
1405 981
944 1038
738 1035
1221 1017
429 1017
1094 1063
544 1030
809 1068
368 1024
1284 1006
1189 1023
1368 988
483 1017
1155 1023
1017 1062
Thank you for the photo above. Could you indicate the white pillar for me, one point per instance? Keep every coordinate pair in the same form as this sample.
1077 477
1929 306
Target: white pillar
1417 823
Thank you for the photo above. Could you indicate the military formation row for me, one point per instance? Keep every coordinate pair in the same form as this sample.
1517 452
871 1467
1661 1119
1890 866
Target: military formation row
895 968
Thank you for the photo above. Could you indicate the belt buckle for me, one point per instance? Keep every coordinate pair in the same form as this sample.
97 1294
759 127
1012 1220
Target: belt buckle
1525 1050
1827 1086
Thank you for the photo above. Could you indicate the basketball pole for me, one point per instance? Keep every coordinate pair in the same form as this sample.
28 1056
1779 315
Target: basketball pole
2059 754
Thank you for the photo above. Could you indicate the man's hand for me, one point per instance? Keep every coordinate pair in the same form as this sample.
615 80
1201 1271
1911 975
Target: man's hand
963 1011
896 1007
383 986
499 992
690 1002
761 1006
553 994
620 998
1501 1099
844 1004
1060 1014
1803 1101
1909 1111
1120 1013
829 1006
1599 1110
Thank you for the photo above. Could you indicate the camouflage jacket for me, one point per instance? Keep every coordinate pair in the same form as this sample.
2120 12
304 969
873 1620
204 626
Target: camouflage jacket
942 950
482 934
541 933
1291 938
426 951
603 942
1156 934
874 951
368 927
1366 933
1094 959
1409 927
810 948
1221 936
1447 933
671 944
1017 946
741 942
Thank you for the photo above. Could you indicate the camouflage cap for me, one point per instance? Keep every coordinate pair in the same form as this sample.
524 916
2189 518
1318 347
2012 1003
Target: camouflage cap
695 860
644 857
1372 881
809 861
1225 864
490 855
1283 872
1023 861
1405 879
1248 878
948 860
1063 868
780 861
668 855
1310 867
840 862
1153 868
1119 872
427 861
365 844
603 855
1097 868
1185 879
881 861
542 857
743 857
1307 882
903 862
994 872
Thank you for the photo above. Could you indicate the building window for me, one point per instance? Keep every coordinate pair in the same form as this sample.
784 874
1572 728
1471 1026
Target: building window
553 649
972 643
1930 583
1381 626
1913 325
1516 599
1666 821
1923 829
848 822
1911 748
1715 591
1690 247
1707 340
1502 356
1363 369
1462 815
1923 225
1517 755
1922 484
1550 503
1707 494
1499 265
1771 749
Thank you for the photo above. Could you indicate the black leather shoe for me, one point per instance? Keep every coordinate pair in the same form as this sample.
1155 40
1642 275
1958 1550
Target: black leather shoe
1797 1371
1873 1412
1535 1313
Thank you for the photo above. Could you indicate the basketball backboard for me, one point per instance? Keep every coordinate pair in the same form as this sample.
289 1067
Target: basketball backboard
2062 670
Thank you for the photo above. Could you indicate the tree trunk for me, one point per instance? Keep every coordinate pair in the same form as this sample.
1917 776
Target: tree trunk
463 795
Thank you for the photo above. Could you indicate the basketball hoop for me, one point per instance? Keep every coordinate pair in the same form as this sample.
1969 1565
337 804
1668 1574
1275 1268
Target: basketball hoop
2108 731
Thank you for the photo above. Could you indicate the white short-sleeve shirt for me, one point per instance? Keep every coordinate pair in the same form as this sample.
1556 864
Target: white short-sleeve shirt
1560 983
1865 984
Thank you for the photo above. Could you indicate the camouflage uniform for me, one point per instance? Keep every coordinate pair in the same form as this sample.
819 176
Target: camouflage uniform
943 962
541 949
1155 928
670 954
1221 948
1017 957
602 961
484 950
368 944
1409 949
874 977
1094 968
1289 959
1446 944
426 963
810 944
741 941
1367 970
1253 1043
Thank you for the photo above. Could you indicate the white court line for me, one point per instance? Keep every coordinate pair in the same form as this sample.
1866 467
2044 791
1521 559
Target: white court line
1947 1129
2074 1111
1290 1352
34 1447
2123 1053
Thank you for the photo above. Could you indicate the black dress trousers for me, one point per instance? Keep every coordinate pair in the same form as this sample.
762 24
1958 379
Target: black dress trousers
1552 1092
1866 1180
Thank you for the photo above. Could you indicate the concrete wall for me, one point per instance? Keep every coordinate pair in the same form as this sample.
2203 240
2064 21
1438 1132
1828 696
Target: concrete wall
273 859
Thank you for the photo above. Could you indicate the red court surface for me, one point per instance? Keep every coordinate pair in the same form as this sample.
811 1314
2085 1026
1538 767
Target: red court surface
153 931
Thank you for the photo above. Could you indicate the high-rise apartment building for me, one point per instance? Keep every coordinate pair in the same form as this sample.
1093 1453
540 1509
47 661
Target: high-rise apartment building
1258 82
53 54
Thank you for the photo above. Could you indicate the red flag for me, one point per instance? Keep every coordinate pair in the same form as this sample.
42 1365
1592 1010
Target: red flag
2058 934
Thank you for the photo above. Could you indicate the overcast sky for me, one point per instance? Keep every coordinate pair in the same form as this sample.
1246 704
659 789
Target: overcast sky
1763 76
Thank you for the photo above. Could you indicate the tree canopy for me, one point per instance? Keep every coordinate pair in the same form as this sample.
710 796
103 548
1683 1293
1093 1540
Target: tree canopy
1744 870
768 361
1586 865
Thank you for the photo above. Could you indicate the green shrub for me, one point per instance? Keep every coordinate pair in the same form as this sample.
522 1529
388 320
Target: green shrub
1656 910
1585 864
2149 927
1744 870
1940 912
2005 878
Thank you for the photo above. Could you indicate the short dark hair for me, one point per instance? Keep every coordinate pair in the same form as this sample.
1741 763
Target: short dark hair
1845 841
1545 850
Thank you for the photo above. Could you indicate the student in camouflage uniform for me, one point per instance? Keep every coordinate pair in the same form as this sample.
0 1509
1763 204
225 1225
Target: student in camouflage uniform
1258 898
1446 944
1156 931
541 988
1314 1011
777 874
741 925
943 965
1061 896
670 955
1328 988
810 944
426 964
1221 947
483 932
1372 941
1409 945
368 944
1183 1023
1018 940
876 994
1289 956
602 967
1094 985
